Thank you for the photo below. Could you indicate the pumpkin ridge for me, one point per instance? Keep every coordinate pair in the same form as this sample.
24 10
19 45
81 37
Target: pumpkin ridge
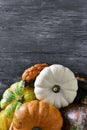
63 94
67 99
18 87
69 80
31 111
6 93
6 103
43 114
38 112
45 76
55 104
38 105
8 96
9 110
12 89
52 73
51 101
68 90
28 108
51 69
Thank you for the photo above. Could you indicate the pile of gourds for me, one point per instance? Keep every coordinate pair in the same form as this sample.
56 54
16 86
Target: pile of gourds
41 100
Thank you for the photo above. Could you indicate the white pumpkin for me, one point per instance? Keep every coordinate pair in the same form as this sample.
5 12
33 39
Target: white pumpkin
56 85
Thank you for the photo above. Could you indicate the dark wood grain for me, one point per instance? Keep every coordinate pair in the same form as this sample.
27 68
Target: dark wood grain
36 31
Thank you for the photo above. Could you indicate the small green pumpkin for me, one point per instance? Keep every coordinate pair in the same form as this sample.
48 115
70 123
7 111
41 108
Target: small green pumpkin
15 96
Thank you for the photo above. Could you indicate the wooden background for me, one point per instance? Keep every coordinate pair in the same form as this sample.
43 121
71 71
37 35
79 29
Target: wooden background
37 31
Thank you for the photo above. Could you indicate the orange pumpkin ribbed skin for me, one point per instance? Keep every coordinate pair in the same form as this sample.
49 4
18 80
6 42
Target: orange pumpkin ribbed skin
37 114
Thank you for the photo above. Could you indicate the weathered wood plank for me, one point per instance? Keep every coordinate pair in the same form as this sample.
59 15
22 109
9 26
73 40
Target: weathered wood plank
52 26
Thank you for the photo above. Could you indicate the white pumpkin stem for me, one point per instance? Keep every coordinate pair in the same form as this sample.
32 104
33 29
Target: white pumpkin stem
56 88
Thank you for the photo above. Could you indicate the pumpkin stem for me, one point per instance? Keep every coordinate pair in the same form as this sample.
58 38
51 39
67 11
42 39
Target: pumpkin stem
36 128
56 88
20 99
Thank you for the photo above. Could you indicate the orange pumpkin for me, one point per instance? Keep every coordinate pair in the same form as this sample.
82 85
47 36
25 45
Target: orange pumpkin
37 115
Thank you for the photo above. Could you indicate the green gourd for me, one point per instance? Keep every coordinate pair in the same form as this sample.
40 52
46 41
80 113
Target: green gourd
15 96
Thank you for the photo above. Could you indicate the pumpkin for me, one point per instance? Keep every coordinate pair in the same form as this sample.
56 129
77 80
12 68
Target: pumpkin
15 96
75 117
5 122
57 85
37 115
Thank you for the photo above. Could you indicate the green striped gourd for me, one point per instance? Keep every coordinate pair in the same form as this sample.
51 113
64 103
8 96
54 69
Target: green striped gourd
15 96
